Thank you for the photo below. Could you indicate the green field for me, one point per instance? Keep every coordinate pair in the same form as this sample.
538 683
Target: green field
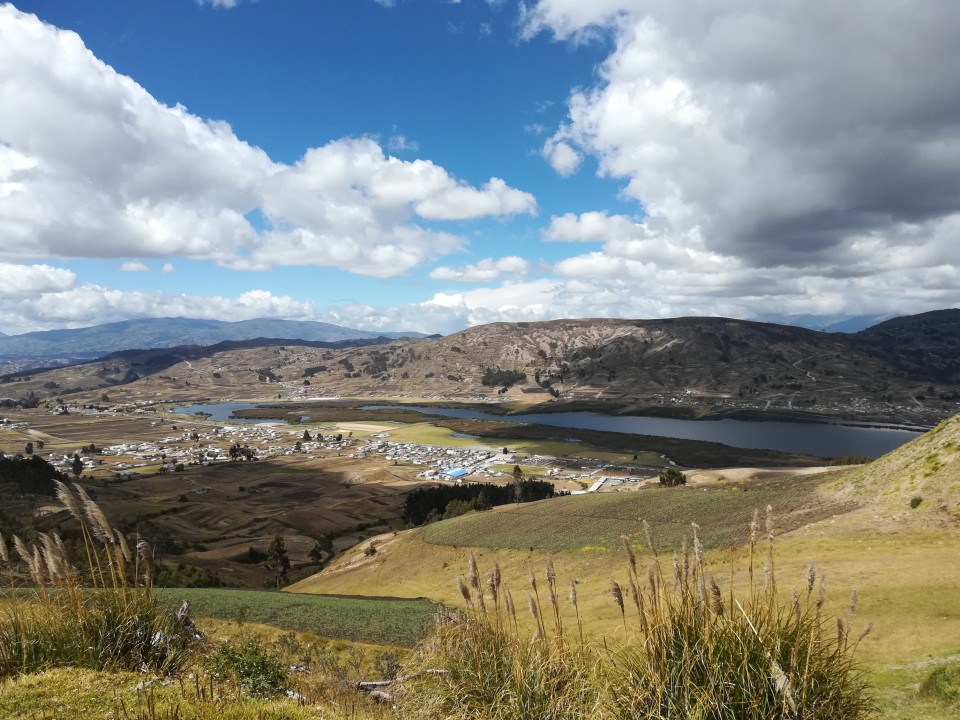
599 520
369 620
429 434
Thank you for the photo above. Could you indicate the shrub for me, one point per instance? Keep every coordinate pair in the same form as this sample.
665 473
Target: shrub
251 666
943 684
456 508
252 556
708 654
671 477
488 668
851 460
495 377
186 576
915 502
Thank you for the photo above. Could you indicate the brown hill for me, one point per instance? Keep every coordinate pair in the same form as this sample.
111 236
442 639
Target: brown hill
902 370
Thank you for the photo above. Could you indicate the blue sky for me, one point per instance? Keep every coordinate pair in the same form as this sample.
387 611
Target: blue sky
429 165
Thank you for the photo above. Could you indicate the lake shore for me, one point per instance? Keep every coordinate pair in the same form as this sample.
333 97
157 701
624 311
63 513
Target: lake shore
688 443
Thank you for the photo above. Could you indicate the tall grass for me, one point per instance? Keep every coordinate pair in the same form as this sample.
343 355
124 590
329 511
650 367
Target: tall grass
705 653
693 648
94 617
490 669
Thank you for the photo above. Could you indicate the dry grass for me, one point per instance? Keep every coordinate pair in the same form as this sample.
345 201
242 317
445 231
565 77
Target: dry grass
95 618
927 467
907 578
691 648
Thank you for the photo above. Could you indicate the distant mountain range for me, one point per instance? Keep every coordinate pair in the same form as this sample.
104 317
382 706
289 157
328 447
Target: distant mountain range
60 347
829 323
904 370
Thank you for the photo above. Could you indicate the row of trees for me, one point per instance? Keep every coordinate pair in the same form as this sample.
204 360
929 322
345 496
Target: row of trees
424 501
32 475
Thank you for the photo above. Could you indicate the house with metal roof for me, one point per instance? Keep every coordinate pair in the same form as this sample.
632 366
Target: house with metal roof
455 474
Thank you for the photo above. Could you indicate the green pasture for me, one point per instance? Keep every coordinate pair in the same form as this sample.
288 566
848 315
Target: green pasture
369 620
557 448
902 693
527 470
428 434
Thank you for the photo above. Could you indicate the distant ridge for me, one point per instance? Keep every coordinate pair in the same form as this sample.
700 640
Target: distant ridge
151 333
904 371
828 323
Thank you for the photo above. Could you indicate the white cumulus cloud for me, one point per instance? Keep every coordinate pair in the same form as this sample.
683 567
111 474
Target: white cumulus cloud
485 270
131 177
562 156
804 143
33 280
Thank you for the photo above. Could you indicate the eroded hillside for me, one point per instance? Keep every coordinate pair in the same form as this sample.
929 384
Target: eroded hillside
685 366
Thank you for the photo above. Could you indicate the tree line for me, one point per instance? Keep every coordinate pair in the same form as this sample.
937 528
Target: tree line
32 475
423 502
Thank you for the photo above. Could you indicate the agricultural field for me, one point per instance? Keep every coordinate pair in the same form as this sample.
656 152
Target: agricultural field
210 515
217 516
378 621
214 514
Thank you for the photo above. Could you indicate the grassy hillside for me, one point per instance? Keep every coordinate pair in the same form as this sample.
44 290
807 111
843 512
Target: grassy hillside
928 468
858 528
599 520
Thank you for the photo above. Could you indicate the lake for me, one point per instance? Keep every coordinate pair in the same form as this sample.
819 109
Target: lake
820 439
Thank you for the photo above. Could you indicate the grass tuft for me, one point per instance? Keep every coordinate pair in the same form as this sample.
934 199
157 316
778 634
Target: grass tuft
93 618
943 684
690 648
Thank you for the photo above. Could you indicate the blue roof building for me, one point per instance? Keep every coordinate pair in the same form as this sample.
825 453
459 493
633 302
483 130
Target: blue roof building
455 473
